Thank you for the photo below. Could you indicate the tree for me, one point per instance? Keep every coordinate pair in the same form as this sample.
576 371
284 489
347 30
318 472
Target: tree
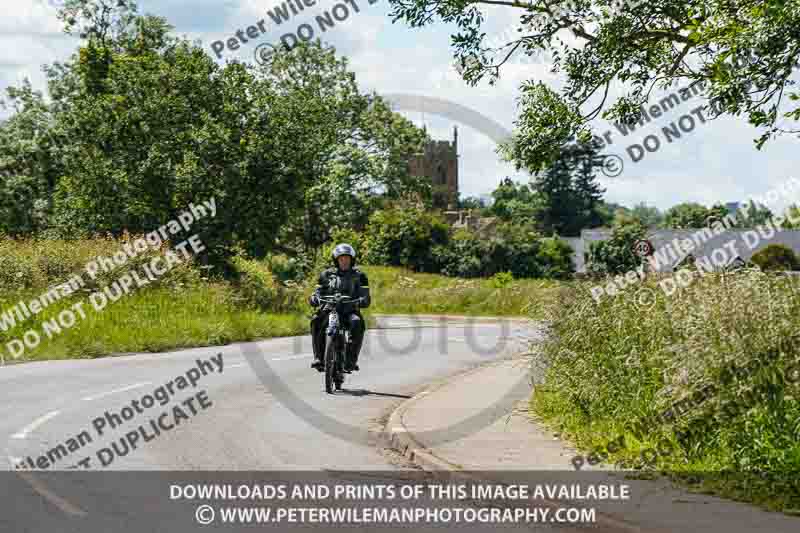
156 125
615 255
29 162
509 199
743 51
405 237
754 215
647 216
791 212
358 148
687 215
471 202
568 194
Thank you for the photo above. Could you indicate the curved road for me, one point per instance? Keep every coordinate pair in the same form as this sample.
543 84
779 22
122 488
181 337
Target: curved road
246 426
54 412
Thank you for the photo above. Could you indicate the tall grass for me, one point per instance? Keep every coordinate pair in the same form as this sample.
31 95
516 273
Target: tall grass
189 306
184 308
400 291
615 368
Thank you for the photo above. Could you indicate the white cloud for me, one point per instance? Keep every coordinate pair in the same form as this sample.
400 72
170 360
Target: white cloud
716 162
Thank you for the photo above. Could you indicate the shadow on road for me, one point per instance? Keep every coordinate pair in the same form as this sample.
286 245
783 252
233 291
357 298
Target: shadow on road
364 392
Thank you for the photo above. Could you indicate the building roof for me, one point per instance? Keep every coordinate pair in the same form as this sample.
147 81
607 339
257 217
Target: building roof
744 242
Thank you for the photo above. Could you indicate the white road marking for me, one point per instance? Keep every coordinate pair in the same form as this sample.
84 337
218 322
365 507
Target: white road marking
22 434
301 356
457 339
235 365
115 391
53 498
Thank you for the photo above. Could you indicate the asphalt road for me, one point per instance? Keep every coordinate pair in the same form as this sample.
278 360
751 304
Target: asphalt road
218 410
246 426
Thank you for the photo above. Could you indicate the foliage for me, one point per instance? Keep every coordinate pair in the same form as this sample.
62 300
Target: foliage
648 216
555 258
464 256
753 215
568 193
698 373
776 257
140 123
260 289
358 146
501 280
691 215
396 290
404 237
29 162
613 55
791 212
478 205
615 255
513 201
514 248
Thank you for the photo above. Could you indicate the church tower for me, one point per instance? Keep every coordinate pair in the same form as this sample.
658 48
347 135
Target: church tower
439 163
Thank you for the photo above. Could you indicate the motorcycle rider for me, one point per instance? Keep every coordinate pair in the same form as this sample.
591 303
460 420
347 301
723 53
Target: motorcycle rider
343 277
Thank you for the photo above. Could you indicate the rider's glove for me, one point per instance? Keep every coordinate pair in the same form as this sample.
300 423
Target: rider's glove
362 301
314 300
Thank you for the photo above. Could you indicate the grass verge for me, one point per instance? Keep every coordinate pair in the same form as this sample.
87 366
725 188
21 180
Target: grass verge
187 307
703 385
399 291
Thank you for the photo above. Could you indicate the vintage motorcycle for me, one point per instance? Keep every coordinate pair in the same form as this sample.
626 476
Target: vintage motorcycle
337 342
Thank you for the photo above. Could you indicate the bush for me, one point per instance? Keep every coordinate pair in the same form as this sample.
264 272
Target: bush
776 257
501 280
555 256
463 256
286 268
404 237
259 289
615 255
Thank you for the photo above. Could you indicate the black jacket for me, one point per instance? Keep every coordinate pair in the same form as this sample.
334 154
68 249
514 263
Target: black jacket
352 283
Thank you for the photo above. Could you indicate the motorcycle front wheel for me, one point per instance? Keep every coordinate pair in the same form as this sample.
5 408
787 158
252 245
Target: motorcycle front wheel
330 364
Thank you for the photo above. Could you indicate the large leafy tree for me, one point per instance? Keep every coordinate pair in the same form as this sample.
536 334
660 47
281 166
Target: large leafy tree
513 201
354 148
686 215
29 161
141 123
156 125
692 215
743 51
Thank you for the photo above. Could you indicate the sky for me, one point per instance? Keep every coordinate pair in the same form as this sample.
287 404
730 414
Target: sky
711 162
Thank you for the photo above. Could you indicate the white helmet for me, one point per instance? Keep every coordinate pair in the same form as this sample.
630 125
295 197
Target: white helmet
344 249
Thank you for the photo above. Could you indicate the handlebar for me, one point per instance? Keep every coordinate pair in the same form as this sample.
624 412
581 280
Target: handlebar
337 299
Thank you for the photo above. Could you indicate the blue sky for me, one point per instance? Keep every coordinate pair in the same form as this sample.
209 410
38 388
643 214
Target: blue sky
716 161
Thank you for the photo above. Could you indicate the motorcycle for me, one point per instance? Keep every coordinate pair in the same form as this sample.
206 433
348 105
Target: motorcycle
337 341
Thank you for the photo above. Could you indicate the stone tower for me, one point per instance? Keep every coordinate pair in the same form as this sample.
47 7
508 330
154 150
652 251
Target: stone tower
439 163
